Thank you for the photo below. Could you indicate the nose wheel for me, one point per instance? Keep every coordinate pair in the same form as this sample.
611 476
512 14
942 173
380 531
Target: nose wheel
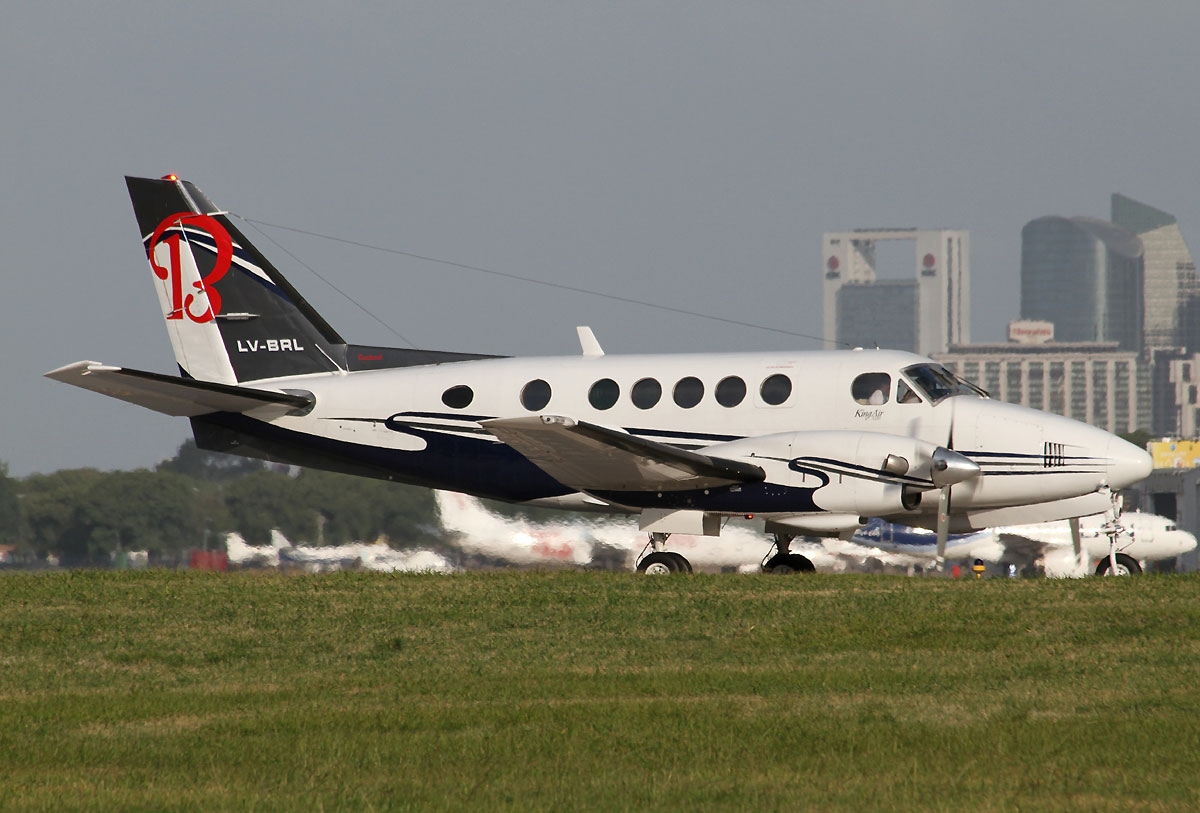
1125 565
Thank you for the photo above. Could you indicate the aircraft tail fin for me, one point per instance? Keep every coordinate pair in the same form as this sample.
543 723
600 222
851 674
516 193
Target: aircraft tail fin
231 315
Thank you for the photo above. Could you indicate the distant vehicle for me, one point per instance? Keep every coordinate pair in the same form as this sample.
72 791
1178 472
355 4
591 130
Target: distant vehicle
804 442
1048 545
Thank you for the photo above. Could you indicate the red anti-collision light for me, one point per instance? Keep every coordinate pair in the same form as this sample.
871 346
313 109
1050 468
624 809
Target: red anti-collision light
171 177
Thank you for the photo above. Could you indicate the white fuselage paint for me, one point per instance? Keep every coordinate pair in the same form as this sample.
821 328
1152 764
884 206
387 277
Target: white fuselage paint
1023 478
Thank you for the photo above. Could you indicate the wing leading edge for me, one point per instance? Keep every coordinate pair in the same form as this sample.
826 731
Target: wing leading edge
594 458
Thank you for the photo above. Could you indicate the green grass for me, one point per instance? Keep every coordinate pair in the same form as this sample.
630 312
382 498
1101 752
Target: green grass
165 690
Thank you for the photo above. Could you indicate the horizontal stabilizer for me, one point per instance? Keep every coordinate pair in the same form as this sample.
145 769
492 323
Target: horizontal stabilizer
593 458
169 395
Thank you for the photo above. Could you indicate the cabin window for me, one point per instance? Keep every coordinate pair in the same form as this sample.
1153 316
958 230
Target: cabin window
731 391
872 389
688 392
776 389
535 395
459 397
905 394
604 393
646 393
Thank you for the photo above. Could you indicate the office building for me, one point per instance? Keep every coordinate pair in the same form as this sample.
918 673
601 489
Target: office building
1099 384
1084 275
1170 282
925 313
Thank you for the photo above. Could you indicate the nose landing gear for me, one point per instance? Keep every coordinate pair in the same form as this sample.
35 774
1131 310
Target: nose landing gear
1116 564
1126 565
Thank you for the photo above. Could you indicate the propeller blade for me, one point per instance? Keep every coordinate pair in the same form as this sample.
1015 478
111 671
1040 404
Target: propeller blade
1077 541
943 526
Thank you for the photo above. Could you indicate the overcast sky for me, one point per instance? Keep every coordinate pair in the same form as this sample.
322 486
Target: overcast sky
688 154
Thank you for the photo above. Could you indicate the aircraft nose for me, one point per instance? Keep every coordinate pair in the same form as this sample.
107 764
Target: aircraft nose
1187 542
1127 464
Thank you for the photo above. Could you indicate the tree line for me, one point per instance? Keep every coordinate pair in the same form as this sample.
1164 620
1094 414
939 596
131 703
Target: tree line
86 516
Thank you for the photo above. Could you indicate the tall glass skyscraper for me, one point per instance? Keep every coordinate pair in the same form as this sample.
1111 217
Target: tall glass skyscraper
1171 284
1086 276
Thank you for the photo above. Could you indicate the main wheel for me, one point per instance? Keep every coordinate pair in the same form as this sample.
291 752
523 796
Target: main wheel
684 565
787 563
661 563
1126 566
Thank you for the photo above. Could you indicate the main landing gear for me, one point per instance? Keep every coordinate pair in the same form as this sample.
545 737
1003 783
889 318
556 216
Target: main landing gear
784 562
660 561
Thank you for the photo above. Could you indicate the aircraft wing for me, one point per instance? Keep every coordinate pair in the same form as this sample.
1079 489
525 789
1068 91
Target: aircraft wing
181 397
1022 548
594 458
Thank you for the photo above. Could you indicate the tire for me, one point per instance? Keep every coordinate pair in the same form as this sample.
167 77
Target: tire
684 565
660 564
788 563
1126 566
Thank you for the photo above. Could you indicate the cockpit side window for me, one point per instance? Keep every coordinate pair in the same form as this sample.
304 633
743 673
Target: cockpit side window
872 388
936 383
905 393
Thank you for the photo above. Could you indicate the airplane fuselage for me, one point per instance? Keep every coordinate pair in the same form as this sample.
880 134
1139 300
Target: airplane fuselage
796 415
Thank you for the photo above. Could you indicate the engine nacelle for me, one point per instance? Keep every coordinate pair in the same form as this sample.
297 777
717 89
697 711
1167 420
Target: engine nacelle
859 473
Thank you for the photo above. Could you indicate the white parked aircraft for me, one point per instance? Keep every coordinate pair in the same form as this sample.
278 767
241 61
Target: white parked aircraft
598 541
1138 538
807 442
323 558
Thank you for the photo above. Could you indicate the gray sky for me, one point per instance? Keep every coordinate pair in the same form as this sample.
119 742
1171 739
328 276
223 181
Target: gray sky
689 154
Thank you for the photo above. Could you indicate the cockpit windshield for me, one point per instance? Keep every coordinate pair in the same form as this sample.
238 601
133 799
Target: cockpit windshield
938 383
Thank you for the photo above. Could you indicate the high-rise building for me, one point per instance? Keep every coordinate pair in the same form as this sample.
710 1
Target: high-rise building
1170 282
925 313
1084 275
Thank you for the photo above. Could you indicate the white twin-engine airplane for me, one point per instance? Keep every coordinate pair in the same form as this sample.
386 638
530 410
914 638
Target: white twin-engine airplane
807 442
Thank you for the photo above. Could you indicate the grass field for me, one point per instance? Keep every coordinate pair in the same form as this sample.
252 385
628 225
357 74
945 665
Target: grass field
173 690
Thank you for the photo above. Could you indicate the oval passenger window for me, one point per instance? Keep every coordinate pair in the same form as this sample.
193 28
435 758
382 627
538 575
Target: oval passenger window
604 393
535 395
731 391
459 397
646 393
776 389
689 391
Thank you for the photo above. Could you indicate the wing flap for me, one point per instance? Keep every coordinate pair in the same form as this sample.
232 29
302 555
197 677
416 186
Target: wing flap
594 458
169 395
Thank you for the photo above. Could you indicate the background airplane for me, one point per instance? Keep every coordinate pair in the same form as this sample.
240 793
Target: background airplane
321 558
1047 546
